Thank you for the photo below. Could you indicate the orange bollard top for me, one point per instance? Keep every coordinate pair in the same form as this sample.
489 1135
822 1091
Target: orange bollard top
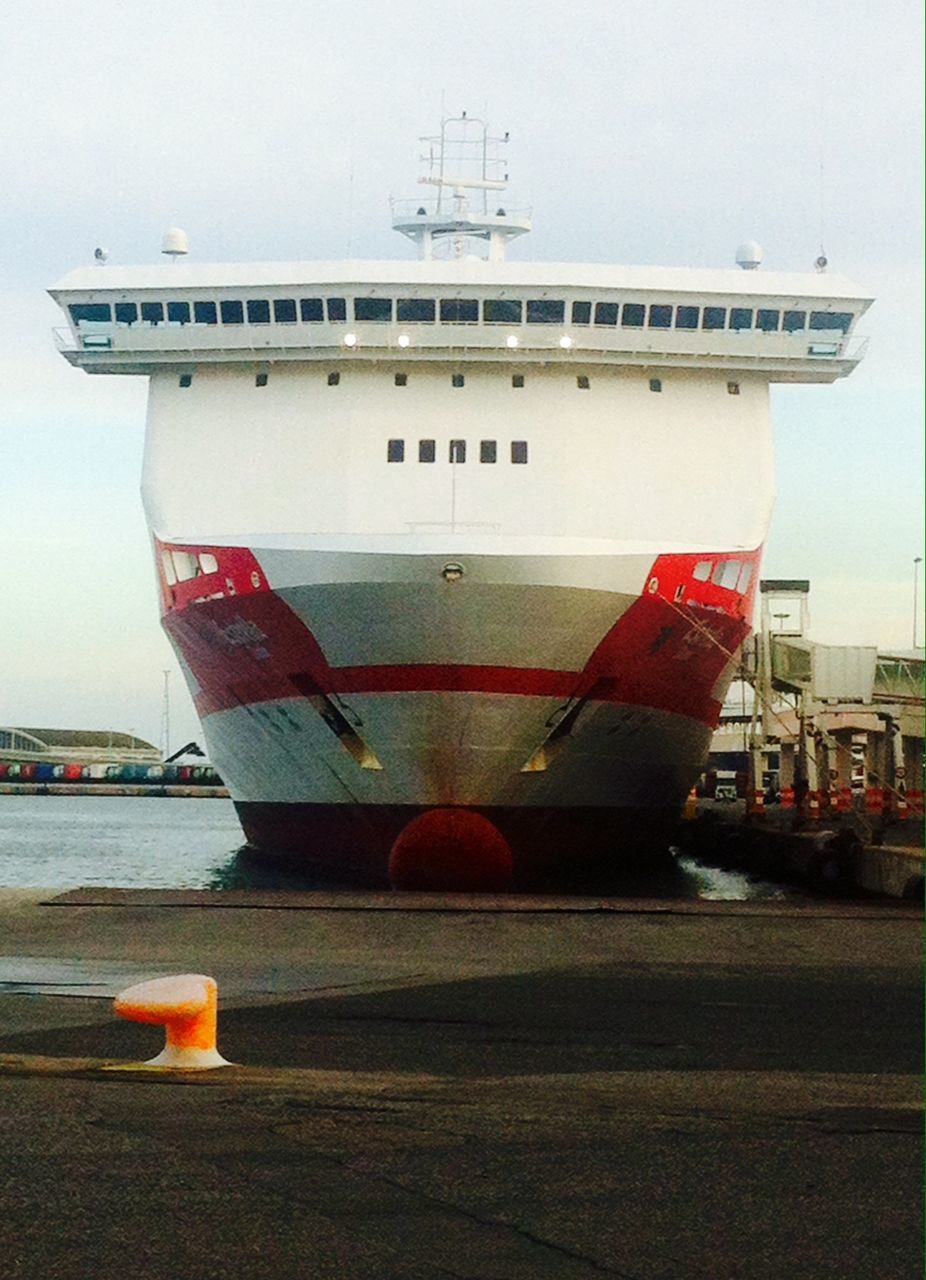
161 1000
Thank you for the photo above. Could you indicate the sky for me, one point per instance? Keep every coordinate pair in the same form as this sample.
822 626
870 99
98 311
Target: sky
643 132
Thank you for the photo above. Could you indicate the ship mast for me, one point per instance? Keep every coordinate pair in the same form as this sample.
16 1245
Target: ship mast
466 164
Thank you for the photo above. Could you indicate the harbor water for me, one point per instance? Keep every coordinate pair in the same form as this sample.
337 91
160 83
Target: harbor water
131 842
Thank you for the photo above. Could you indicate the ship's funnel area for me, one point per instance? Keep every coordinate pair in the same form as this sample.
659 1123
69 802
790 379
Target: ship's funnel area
451 851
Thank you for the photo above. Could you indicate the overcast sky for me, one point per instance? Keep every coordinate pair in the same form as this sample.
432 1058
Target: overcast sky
643 131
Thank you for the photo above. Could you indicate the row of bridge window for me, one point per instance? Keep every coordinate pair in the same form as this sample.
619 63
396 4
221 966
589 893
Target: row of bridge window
510 311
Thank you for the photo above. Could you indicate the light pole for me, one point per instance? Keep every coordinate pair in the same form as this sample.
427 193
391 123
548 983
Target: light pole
917 561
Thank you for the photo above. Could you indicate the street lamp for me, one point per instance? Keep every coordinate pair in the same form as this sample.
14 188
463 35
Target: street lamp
917 561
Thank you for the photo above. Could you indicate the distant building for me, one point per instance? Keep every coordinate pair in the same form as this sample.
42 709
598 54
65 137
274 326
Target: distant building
80 746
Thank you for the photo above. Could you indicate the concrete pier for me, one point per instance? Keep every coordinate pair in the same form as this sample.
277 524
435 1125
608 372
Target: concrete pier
434 1087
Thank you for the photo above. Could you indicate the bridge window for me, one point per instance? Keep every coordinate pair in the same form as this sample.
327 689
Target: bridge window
794 321
517 379
501 311
231 311
459 310
745 577
687 317
152 312
178 312
337 310
205 313
660 316
457 380
519 451
582 382
373 310
416 310
581 312
545 311
655 384
733 388
741 317
457 450
488 451
713 317
702 570
126 312
606 313
186 380
258 311
97 312
395 451
334 378
260 380
633 315
312 312
831 320
427 450
284 310
767 320
401 379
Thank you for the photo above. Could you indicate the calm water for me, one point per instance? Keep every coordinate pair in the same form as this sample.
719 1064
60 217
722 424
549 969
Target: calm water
132 842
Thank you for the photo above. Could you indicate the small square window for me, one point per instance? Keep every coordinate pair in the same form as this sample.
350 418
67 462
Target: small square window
488 451
186 379
232 311
258 311
519 451
606 313
632 315
581 312
333 378
284 310
205 313
655 384
395 451
152 312
126 312
337 310
311 311
401 379
459 311
427 451
517 379
582 382
260 380
501 311
794 321
457 450
178 312
741 318
733 388
714 318
687 317
767 320
660 316
702 570
457 380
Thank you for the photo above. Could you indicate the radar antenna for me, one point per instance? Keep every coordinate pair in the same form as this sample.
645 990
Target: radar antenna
466 164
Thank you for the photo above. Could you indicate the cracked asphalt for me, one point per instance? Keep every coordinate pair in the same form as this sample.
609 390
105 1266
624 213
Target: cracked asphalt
716 1093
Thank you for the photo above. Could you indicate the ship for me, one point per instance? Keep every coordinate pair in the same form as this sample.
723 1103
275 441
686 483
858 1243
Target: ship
458 553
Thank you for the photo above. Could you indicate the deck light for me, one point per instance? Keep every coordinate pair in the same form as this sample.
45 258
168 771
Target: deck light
350 339
511 340
565 342
404 339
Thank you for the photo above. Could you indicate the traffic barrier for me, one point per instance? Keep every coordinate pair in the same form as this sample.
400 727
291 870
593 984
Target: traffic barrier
915 802
186 1005
755 802
845 799
787 797
874 799
813 805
